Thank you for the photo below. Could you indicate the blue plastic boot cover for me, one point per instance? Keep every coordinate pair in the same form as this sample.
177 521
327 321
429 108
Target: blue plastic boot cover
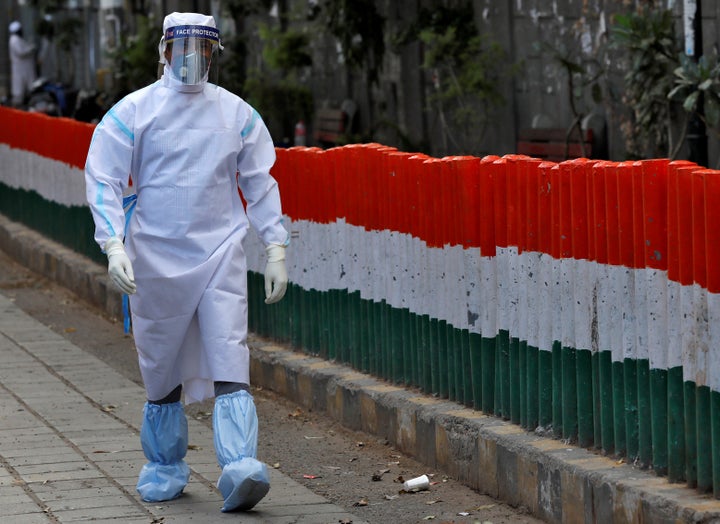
164 439
244 481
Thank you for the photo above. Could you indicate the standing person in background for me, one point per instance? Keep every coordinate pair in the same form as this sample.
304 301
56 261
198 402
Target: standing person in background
22 64
189 145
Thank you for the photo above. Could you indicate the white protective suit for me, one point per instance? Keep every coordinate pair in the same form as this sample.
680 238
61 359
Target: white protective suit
22 63
187 148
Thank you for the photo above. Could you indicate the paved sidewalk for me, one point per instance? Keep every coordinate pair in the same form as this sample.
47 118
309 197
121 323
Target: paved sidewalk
69 452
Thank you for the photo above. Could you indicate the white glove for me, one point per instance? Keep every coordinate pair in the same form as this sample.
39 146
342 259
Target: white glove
119 266
276 277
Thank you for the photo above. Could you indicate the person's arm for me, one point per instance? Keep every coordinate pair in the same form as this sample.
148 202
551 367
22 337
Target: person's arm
258 187
107 171
262 195
21 48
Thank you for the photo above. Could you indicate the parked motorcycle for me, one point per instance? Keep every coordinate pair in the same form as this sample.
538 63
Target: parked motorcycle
51 98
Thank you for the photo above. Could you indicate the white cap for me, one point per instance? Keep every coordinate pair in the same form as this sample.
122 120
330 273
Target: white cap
14 26
176 19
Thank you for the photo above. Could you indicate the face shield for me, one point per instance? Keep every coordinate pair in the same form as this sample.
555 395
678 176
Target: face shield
189 51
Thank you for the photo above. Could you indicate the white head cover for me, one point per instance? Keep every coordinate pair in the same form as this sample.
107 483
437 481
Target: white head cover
184 19
14 27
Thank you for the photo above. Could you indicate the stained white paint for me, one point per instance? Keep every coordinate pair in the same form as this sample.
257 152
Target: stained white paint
713 334
603 310
488 287
626 295
53 180
657 321
583 288
640 314
545 312
674 324
531 296
695 334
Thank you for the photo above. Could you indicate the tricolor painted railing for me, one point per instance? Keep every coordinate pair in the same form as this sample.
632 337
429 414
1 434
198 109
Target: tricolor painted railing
579 299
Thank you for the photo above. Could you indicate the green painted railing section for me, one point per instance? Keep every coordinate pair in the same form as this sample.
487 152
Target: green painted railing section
72 226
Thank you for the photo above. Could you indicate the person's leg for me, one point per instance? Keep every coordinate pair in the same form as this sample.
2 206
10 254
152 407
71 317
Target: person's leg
164 439
226 388
244 481
222 317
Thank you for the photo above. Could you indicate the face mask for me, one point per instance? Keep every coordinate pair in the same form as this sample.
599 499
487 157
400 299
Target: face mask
191 68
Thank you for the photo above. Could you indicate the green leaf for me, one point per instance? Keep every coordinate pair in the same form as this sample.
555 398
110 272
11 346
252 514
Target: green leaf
622 21
706 84
691 101
675 91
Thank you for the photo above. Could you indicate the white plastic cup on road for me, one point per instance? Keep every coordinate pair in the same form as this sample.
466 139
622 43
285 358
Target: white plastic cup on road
417 484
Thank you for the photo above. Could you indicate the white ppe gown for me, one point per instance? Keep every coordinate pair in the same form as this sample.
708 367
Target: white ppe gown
22 62
187 149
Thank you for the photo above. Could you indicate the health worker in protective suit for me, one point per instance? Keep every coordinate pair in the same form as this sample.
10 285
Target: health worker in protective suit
188 145
22 64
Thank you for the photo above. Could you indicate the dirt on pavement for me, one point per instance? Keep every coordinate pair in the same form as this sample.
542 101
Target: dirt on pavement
352 469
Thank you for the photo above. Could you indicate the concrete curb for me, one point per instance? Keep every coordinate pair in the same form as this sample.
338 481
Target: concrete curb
555 481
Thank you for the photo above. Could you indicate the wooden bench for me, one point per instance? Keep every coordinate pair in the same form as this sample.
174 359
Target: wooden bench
554 144
330 127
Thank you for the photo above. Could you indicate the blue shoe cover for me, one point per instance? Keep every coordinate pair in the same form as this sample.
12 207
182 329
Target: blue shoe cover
244 480
160 482
243 484
164 439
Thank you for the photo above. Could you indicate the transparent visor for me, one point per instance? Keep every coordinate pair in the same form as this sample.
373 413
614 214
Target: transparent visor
189 52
